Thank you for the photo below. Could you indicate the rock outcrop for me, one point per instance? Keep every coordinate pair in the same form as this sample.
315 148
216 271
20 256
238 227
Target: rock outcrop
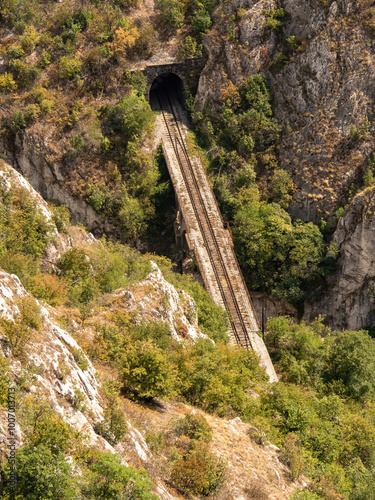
321 88
350 301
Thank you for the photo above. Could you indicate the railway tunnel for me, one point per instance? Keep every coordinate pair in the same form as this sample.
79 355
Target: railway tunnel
169 83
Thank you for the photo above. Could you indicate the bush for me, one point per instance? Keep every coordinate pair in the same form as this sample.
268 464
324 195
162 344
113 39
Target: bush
80 359
172 12
20 331
201 22
41 475
69 67
112 480
132 117
273 19
351 362
190 48
147 372
293 456
29 39
195 427
114 427
17 121
7 83
199 472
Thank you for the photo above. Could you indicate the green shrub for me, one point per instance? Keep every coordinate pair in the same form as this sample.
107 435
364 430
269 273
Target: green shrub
114 427
69 66
41 475
189 48
293 456
25 73
201 22
132 117
61 217
80 359
7 83
147 371
172 12
199 472
17 121
195 427
273 17
20 331
112 480
29 39
15 52
45 59
351 362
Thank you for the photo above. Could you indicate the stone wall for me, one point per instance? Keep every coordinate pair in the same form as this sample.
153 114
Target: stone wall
189 72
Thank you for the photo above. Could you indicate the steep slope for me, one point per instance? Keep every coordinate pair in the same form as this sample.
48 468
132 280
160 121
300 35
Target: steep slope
319 61
349 301
49 366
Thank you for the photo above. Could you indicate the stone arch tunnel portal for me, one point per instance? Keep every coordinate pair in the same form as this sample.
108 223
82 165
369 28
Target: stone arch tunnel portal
168 82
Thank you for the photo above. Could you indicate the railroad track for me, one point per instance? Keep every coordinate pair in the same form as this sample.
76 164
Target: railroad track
226 272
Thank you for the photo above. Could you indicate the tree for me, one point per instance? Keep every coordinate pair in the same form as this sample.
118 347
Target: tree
351 362
41 475
147 371
113 481
132 117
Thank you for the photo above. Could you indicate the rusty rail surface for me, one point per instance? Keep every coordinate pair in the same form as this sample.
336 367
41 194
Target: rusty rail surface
216 239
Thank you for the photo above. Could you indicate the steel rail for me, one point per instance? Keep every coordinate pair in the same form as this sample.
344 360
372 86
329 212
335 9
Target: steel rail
219 267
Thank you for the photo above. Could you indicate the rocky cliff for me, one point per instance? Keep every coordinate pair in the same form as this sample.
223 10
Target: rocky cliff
349 303
320 66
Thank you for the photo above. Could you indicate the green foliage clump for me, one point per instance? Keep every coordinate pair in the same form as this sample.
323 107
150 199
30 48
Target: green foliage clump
172 12
111 480
20 331
113 428
195 427
131 117
41 474
351 362
190 48
147 371
273 18
201 22
198 472
69 66
7 83
276 254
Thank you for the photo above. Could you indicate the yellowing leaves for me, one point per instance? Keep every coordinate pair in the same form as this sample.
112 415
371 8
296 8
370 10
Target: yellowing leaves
123 40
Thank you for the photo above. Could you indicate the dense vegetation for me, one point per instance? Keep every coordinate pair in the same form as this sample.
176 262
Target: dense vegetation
321 414
67 72
277 255
43 470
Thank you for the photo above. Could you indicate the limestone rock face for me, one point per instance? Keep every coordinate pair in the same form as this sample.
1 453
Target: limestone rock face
155 300
324 88
350 301
33 158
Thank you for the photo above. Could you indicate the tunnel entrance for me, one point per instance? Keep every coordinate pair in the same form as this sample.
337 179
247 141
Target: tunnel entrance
168 82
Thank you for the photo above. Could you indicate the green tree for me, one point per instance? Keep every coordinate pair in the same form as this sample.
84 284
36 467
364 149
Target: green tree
41 475
147 371
351 362
113 481
131 117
